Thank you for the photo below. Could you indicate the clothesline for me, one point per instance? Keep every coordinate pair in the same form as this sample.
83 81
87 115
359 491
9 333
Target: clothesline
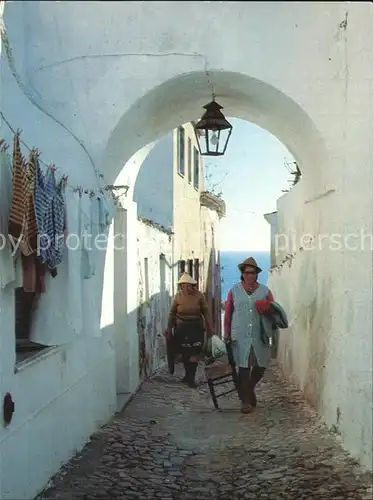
81 189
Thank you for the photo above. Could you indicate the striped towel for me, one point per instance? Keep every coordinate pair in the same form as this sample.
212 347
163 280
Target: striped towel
22 222
31 225
59 220
17 215
51 217
44 192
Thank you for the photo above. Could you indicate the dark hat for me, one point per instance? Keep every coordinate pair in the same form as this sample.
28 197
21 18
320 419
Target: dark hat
250 261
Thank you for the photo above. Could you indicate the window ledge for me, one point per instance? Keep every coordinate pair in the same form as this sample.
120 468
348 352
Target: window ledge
36 357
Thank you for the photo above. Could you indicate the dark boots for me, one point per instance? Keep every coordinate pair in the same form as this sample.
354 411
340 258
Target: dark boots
256 374
248 379
185 379
190 374
244 389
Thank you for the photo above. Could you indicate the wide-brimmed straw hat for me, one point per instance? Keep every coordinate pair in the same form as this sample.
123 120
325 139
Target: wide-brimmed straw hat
250 261
186 278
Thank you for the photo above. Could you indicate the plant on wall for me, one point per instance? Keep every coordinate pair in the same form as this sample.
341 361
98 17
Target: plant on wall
293 168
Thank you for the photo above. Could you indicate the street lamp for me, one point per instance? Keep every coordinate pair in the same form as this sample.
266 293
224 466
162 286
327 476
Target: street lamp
213 131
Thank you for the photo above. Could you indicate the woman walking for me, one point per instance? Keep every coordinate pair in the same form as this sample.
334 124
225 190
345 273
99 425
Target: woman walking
188 318
243 326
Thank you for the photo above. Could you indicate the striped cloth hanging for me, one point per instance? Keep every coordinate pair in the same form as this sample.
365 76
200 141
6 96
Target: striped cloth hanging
17 215
22 222
44 192
59 220
31 225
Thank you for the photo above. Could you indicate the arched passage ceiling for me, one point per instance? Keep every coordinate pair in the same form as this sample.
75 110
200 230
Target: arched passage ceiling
180 100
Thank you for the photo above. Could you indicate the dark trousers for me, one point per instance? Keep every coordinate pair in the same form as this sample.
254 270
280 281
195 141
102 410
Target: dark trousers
248 379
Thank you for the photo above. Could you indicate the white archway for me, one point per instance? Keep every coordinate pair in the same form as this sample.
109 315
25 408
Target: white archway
303 74
180 100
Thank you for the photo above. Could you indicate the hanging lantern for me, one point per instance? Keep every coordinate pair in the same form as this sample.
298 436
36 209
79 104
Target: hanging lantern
213 131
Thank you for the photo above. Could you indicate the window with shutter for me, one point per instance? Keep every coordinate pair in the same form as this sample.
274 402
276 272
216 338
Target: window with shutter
190 267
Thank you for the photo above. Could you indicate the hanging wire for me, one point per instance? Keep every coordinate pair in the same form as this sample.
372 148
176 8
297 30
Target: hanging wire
12 67
209 82
79 188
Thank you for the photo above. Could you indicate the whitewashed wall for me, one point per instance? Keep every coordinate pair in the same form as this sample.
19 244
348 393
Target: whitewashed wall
90 94
327 350
154 261
153 189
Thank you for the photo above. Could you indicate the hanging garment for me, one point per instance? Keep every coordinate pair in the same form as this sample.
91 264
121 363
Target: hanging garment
50 209
95 230
22 222
87 247
43 192
92 290
7 267
74 259
31 234
17 215
106 214
58 317
59 225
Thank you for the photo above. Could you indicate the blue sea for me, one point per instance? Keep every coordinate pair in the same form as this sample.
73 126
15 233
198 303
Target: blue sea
230 273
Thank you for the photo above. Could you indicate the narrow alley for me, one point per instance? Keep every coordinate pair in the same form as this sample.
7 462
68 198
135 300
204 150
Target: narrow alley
170 443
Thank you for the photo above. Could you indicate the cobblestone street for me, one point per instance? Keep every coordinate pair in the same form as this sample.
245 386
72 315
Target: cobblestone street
169 443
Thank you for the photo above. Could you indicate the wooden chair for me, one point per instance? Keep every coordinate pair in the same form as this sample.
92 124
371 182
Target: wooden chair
220 374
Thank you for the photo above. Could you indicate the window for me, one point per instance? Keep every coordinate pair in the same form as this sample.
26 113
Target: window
196 169
196 270
181 151
25 304
181 267
190 267
189 160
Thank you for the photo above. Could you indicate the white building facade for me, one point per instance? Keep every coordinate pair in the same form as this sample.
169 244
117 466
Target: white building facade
170 190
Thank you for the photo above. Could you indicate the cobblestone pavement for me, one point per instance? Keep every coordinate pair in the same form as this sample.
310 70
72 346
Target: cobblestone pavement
169 443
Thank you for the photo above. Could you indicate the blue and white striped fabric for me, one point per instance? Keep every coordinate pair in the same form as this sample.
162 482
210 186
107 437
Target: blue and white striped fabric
58 218
43 195
50 217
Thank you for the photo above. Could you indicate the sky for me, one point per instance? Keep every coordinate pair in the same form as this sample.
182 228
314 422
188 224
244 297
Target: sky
251 176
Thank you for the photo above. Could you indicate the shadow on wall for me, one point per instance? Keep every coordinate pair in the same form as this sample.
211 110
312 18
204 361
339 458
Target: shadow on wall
152 315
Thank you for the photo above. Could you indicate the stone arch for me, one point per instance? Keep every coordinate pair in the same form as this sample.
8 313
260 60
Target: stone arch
180 100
